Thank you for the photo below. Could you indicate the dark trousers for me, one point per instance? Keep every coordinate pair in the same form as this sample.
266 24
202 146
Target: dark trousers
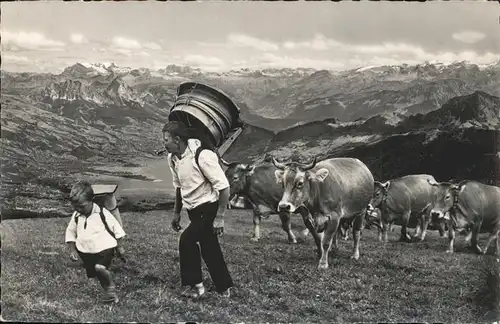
201 230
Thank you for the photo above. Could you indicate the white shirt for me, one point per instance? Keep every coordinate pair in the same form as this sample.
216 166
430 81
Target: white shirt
195 188
94 238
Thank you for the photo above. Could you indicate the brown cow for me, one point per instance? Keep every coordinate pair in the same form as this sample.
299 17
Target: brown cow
404 197
469 204
327 192
255 182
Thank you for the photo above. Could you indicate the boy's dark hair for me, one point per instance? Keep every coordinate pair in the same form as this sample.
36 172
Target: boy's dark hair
177 128
82 188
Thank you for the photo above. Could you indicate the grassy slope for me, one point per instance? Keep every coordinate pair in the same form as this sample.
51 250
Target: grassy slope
276 282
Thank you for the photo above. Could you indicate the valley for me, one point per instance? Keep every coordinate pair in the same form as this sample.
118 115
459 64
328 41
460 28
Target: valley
103 122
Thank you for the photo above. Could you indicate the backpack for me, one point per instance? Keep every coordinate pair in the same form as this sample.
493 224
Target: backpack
103 219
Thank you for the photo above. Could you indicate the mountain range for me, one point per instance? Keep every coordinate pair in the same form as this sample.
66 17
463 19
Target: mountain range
392 117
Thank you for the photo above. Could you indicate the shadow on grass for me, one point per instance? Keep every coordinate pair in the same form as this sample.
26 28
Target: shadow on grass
488 296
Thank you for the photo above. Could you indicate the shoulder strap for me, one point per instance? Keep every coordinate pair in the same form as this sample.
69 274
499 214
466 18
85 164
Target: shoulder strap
103 218
172 160
197 158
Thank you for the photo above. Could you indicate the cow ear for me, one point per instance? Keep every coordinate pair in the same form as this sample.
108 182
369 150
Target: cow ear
279 175
386 184
432 182
321 174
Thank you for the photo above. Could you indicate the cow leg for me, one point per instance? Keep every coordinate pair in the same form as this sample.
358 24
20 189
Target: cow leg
385 229
326 242
451 239
380 232
425 221
468 237
308 222
343 230
418 228
356 234
256 227
442 228
404 229
475 232
492 237
335 240
285 224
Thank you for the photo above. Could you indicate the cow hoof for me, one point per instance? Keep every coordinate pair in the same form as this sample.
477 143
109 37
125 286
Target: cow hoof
294 241
476 249
355 257
406 239
254 239
323 266
449 251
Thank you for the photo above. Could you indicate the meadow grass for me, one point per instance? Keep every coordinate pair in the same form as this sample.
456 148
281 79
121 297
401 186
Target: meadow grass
275 281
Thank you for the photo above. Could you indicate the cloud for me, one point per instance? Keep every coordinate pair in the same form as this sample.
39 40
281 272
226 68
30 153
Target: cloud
470 56
152 45
122 51
386 48
131 47
469 37
275 61
200 60
252 42
390 53
10 58
125 43
78 39
319 43
29 41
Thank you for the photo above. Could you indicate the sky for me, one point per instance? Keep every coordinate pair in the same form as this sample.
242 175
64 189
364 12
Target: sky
219 36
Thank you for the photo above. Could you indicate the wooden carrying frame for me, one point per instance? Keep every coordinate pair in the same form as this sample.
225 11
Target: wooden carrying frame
105 195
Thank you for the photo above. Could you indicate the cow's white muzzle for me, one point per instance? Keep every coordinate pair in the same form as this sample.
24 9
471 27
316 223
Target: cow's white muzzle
286 207
439 214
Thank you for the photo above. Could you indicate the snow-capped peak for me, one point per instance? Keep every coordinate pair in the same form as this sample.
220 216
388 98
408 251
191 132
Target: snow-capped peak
101 68
106 67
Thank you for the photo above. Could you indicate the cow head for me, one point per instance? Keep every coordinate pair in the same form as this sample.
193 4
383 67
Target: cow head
379 193
237 174
446 198
373 216
297 180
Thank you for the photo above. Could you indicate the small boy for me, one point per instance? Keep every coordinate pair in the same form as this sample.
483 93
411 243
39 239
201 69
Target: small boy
88 238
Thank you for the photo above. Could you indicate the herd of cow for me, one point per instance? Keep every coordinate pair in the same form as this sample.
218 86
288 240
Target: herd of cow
336 194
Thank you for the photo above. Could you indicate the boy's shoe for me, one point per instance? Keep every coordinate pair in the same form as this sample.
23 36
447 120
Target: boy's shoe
226 293
110 296
193 292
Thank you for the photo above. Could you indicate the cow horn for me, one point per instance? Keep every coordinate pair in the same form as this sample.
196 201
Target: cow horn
310 165
278 165
432 182
224 162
